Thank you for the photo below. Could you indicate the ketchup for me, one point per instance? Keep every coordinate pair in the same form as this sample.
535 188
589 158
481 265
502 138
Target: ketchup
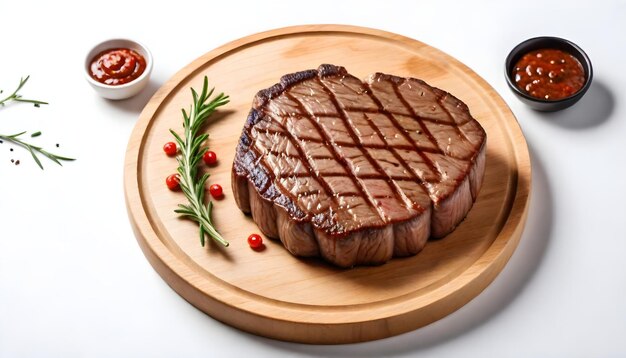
117 66
549 74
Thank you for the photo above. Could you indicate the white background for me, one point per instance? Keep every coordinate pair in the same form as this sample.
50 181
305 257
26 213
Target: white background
74 283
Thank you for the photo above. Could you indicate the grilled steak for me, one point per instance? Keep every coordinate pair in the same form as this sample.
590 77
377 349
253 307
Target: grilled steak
357 172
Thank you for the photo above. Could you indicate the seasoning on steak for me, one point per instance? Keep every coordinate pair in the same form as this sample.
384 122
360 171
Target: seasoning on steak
357 172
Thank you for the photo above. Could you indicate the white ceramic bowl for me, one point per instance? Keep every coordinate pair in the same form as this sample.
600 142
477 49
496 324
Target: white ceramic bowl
125 90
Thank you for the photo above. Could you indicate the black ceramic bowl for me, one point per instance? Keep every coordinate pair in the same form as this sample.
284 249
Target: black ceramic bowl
554 43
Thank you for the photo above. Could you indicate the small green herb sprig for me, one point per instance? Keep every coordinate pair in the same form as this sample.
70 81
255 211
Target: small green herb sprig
15 96
192 149
14 138
33 149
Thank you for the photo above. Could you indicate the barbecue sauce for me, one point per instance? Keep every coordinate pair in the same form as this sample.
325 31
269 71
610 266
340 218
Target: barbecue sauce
549 74
117 66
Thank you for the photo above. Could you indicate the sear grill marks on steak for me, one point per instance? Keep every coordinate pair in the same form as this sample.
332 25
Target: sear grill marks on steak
357 172
338 156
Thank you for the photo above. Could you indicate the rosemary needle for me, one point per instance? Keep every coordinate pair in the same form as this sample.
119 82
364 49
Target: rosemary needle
192 150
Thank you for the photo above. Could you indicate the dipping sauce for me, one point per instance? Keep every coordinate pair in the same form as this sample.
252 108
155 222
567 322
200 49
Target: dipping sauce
549 74
117 66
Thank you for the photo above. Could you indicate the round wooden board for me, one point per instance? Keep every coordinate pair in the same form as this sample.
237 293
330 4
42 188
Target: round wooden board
272 293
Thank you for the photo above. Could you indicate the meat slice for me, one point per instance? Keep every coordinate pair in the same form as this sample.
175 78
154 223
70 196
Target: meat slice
357 172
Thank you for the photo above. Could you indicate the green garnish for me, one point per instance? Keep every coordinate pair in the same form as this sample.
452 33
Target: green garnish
33 149
18 97
14 138
191 151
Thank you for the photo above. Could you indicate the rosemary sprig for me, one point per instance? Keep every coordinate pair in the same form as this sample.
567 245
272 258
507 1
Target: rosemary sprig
191 152
18 97
33 149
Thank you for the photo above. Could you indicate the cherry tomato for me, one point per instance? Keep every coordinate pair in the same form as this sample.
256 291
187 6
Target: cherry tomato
170 149
216 191
173 181
255 241
209 158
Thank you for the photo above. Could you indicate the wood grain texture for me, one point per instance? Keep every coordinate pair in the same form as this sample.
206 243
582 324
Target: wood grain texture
273 293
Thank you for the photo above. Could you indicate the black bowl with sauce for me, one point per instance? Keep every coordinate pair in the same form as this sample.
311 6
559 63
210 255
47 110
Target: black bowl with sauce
552 43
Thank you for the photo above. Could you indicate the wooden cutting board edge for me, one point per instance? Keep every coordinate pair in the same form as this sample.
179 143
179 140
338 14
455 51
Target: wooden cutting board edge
193 288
